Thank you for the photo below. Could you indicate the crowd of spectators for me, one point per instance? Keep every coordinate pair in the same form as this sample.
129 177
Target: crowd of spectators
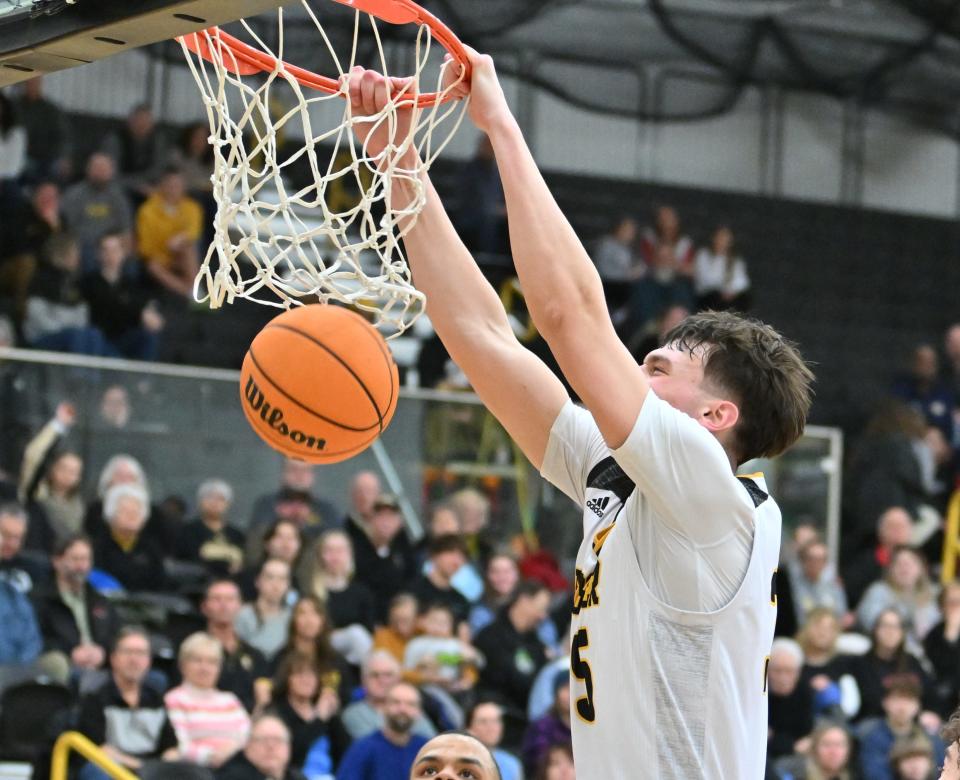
657 274
199 643
97 253
866 666
304 640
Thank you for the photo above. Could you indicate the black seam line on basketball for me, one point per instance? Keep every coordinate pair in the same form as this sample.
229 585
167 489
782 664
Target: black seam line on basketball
305 408
342 362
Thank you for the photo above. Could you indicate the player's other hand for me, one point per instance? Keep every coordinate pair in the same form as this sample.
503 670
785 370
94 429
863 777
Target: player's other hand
369 92
488 105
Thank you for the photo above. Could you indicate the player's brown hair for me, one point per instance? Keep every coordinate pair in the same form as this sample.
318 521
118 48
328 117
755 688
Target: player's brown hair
950 733
759 370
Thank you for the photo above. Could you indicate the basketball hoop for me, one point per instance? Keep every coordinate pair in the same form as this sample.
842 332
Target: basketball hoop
283 244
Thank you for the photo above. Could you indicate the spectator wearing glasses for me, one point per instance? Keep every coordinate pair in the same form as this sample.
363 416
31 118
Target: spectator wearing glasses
266 754
812 585
380 672
126 716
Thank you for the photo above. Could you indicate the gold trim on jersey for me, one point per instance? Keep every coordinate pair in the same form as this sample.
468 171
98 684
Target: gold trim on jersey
586 589
600 537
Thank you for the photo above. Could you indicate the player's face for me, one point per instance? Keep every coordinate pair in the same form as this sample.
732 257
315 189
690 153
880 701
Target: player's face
951 763
676 376
453 757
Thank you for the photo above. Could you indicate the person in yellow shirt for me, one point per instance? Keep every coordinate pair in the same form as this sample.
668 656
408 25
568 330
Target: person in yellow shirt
169 224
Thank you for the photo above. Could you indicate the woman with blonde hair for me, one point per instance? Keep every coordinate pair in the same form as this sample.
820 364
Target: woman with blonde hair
350 604
907 588
828 757
211 725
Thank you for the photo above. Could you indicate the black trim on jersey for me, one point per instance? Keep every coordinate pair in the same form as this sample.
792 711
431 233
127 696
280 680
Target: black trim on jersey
607 475
755 492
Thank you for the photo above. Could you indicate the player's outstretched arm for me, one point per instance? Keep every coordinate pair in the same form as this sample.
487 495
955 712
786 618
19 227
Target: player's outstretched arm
515 385
560 283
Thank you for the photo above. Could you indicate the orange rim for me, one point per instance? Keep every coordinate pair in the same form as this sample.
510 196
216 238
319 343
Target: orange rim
244 59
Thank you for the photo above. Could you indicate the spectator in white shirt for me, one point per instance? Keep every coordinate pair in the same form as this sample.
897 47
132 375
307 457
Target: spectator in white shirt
720 276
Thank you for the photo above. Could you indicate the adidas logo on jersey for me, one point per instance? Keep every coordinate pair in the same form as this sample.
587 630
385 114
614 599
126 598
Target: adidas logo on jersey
598 505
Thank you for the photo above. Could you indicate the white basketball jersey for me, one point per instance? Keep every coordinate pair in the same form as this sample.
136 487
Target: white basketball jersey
669 648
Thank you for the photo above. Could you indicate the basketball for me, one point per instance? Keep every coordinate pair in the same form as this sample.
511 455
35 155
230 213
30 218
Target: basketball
319 384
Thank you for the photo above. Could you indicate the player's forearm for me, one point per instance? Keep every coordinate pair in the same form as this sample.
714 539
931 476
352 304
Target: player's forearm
555 271
460 302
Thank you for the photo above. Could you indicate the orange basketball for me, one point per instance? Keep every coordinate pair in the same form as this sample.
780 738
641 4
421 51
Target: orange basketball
319 384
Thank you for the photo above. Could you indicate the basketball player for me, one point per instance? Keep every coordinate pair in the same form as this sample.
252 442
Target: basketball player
674 605
455 755
951 738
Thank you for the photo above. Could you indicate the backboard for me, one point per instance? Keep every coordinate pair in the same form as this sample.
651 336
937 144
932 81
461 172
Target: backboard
42 36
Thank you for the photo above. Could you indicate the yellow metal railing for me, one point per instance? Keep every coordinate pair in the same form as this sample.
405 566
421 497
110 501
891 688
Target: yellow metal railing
74 740
951 539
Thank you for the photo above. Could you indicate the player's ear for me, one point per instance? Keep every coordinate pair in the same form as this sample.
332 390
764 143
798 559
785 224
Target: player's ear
720 416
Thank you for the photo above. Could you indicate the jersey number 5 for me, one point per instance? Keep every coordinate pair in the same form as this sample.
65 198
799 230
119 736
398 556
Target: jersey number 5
581 670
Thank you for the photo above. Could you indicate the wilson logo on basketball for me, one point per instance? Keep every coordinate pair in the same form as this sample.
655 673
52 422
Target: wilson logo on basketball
273 416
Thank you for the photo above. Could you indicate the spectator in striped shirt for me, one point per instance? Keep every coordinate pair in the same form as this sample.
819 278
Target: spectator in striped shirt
211 725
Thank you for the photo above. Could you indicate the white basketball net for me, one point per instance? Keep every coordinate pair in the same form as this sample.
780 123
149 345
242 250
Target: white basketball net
277 244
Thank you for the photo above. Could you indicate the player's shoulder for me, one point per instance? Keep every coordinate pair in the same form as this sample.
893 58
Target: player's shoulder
607 475
755 486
